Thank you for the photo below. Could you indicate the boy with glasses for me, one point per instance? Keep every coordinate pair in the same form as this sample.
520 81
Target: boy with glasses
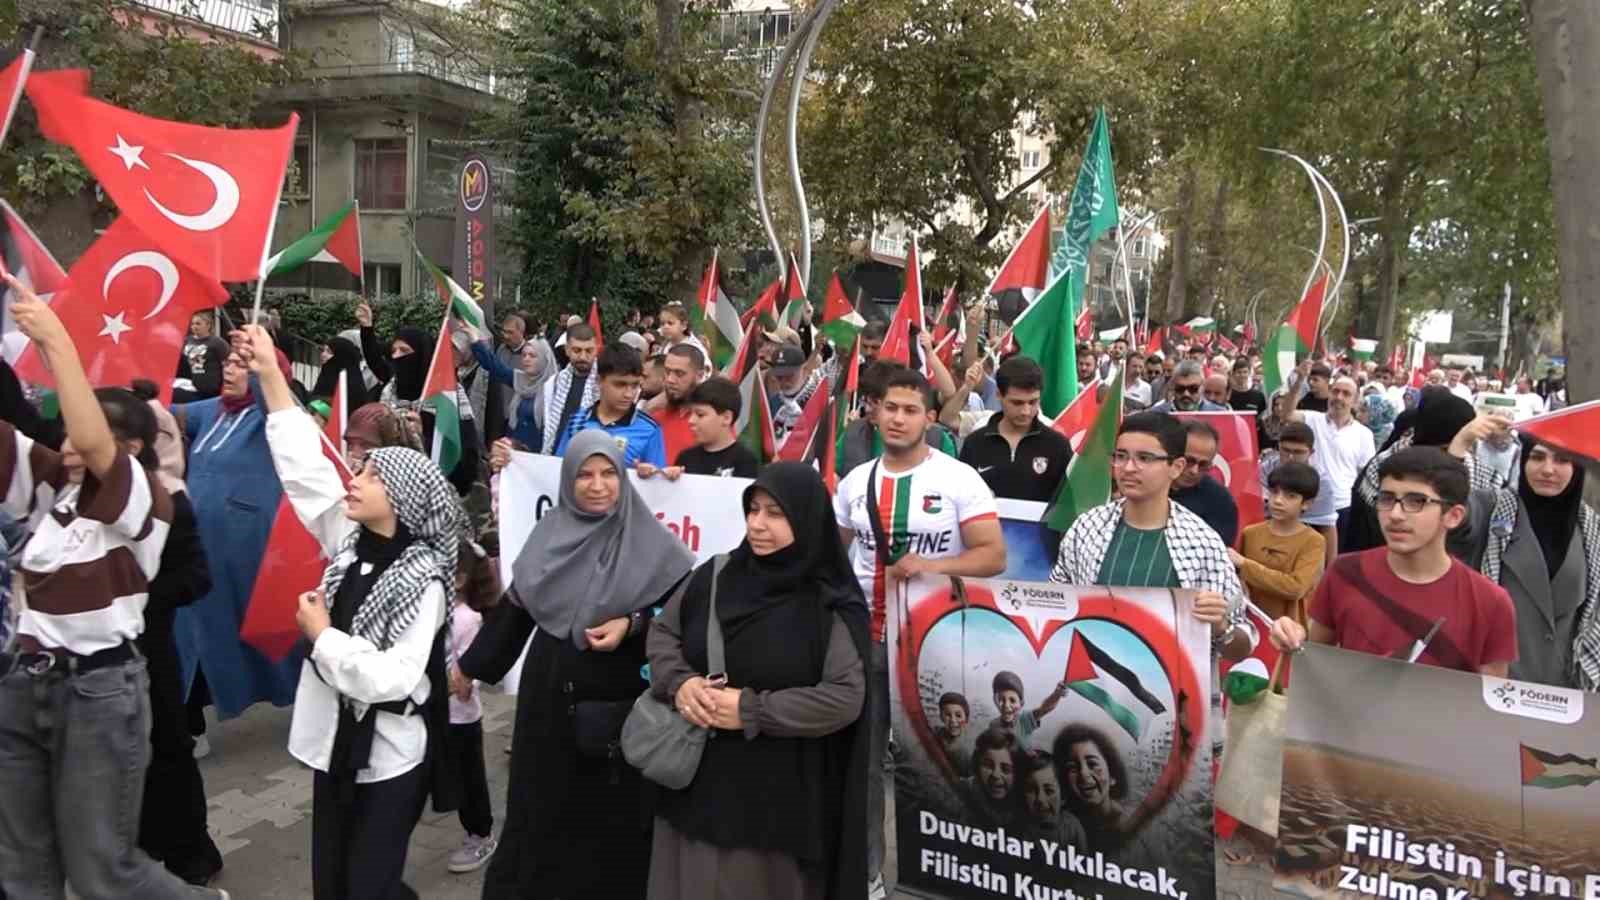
1297 444
1411 595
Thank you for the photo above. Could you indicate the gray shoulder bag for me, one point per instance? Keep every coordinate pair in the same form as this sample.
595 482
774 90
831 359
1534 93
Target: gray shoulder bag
656 739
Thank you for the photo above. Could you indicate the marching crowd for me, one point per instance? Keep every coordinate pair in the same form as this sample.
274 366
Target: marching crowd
1397 519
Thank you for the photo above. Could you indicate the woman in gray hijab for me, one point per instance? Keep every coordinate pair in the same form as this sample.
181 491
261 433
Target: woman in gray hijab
536 364
577 824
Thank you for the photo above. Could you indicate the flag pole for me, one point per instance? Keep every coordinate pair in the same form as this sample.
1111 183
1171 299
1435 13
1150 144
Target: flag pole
272 224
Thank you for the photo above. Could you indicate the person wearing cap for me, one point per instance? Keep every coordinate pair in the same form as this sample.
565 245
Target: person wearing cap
786 384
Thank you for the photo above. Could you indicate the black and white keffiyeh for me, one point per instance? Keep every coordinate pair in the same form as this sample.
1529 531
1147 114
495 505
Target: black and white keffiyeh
558 402
1586 644
428 507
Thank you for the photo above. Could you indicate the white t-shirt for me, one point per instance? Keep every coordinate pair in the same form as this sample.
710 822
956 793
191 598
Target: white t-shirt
1462 391
1529 405
921 511
1342 452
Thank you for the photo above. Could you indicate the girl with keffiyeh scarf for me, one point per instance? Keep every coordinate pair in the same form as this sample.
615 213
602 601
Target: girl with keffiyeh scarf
371 702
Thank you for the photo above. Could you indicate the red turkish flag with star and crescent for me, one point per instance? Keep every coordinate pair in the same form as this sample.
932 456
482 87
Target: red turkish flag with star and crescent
1236 465
126 305
208 197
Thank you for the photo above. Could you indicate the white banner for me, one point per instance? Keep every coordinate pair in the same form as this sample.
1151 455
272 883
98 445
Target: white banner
705 511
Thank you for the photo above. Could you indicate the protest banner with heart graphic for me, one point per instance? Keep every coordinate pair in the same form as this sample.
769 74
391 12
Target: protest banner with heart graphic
1051 737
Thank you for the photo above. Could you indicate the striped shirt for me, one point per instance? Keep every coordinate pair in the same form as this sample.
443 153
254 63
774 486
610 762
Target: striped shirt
86 571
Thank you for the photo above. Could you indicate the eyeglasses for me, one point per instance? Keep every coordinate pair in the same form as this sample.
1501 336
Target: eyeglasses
1411 503
1140 459
1186 388
1200 465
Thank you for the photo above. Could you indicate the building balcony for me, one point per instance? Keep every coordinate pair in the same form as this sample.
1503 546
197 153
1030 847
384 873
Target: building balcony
256 20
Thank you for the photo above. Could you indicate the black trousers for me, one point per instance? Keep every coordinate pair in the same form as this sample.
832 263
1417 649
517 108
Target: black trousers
466 748
358 848
172 821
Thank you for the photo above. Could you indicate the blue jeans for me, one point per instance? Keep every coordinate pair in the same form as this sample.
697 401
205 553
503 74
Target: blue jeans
73 752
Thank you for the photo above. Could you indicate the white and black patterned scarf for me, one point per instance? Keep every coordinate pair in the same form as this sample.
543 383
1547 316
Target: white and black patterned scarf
558 402
428 507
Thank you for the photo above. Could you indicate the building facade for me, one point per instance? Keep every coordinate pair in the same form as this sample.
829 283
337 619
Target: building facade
388 110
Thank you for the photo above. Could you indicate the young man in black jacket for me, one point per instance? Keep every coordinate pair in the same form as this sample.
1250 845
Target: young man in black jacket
1019 457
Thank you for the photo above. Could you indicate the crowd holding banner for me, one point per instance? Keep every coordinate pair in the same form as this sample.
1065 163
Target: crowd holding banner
1053 592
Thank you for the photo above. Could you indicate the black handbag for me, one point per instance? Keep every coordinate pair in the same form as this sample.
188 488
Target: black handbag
657 740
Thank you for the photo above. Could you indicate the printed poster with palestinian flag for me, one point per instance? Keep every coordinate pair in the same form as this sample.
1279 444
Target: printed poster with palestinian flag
1414 781
1051 741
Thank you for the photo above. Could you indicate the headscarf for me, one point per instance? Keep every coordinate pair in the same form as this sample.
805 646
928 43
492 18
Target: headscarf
410 370
1551 519
580 569
169 448
426 506
347 359
814 566
376 425
232 405
525 387
1437 418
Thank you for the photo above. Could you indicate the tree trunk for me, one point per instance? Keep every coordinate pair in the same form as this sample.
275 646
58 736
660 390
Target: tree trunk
1388 283
1566 47
1178 284
1210 281
688 114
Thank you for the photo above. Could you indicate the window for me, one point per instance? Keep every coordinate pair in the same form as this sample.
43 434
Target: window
381 173
378 279
297 181
1140 248
1030 159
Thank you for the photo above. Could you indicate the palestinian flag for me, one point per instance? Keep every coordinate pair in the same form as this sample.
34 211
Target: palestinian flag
1543 769
1115 689
899 345
794 294
336 239
831 434
744 361
1200 325
799 445
1077 420
1227 346
714 318
1575 429
765 311
1026 271
949 329
840 321
1088 480
1294 339
457 300
1157 341
754 427
439 398
1246 680
594 322
1361 349
1112 335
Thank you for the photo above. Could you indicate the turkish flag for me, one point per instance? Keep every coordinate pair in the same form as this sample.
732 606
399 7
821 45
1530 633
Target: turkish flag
12 78
126 305
1236 463
207 197
292 562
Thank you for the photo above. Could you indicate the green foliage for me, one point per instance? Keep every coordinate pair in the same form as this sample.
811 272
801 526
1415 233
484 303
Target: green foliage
322 319
630 155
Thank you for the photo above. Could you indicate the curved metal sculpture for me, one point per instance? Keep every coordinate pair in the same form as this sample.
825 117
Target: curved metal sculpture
1319 183
1322 214
1127 275
804 37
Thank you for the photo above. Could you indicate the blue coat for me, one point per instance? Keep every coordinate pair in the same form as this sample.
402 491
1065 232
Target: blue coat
235 491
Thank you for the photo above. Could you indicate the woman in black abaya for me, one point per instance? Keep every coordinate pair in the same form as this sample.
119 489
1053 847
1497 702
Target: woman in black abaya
577 820
778 807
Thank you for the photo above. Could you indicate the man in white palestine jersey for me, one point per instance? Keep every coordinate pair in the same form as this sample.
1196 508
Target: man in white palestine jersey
910 512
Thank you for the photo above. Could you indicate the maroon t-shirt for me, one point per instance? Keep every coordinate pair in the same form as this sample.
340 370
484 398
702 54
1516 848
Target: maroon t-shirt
1480 626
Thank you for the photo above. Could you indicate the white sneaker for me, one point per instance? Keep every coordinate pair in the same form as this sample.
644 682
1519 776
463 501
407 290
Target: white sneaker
876 889
202 747
474 853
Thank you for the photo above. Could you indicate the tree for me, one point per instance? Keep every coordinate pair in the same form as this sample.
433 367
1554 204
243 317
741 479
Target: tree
631 152
1566 41
161 70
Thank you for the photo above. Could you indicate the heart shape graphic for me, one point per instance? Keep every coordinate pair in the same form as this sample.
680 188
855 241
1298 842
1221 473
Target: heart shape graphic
1101 614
